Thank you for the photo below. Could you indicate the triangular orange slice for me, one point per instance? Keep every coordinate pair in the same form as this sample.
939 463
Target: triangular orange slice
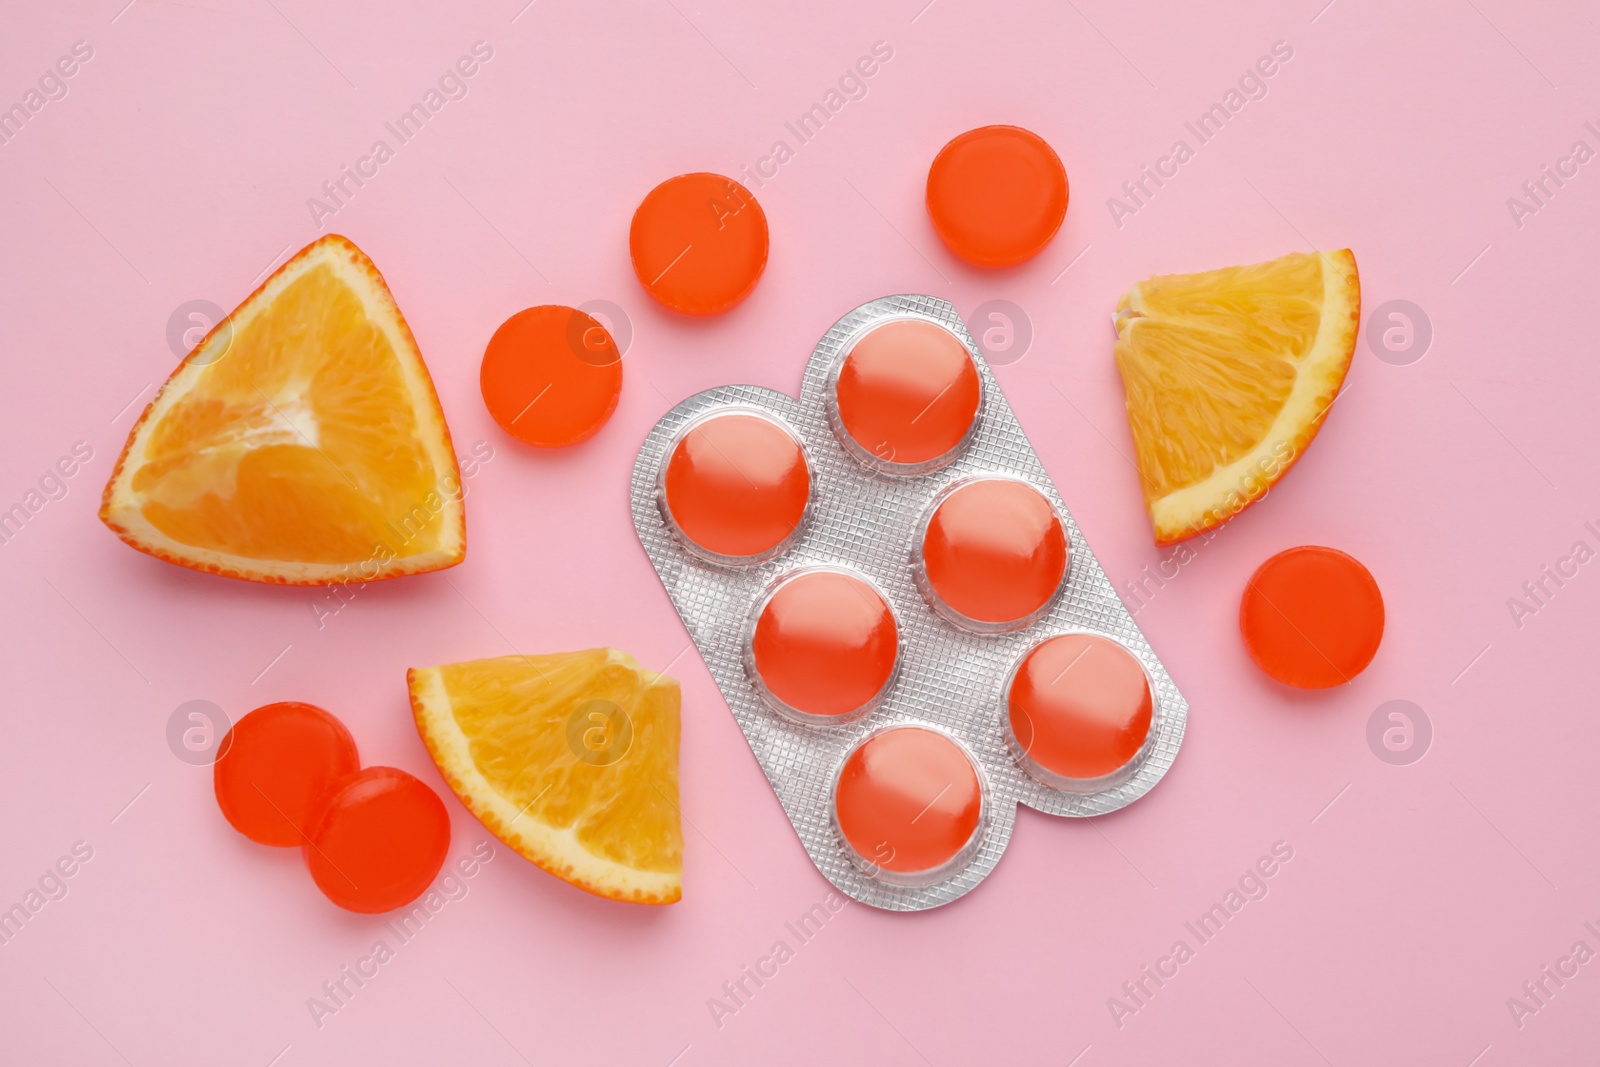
1228 376
571 758
300 443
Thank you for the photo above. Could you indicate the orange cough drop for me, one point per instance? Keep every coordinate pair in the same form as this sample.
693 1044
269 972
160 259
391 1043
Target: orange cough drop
825 644
736 486
907 396
909 803
993 555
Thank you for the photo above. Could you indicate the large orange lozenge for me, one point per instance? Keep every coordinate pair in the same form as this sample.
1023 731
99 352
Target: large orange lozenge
551 376
907 394
825 644
1312 617
737 486
278 764
699 243
1079 708
994 553
908 801
378 841
997 195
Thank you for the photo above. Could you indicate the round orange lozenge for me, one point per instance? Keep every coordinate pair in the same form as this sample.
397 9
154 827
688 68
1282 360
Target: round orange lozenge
909 804
278 763
551 376
699 243
378 841
1078 709
736 486
1312 617
997 195
825 644
993 554
907 395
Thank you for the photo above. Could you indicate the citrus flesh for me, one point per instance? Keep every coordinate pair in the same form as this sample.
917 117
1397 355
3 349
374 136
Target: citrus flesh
301 442
569 758
1228 376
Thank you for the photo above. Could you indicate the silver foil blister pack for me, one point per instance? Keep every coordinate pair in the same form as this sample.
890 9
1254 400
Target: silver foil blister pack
866 517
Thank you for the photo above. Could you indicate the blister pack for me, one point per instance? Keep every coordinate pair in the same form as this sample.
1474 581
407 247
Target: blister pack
899 609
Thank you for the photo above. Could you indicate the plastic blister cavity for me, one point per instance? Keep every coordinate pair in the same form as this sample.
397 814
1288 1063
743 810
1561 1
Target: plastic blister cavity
865 515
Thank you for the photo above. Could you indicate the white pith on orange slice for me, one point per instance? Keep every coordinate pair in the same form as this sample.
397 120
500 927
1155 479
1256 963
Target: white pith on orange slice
300 443
571 759
1228 376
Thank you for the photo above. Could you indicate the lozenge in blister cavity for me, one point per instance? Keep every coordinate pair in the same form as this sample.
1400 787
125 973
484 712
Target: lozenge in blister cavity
824 646
909 805
736 486
905 397
1078 711
991 555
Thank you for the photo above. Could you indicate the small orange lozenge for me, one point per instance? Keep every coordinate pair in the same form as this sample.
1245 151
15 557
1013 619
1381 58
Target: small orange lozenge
909 803
551 376
825 644
278 764
997 195
1312 617
907 395
736 486
378 841
699 243
993 555
1078 709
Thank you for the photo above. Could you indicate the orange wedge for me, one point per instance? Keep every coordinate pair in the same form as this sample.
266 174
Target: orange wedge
300 443
571 759
1228 376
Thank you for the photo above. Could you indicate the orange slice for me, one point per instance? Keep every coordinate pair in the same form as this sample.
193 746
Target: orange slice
300 443
1229 375
571 759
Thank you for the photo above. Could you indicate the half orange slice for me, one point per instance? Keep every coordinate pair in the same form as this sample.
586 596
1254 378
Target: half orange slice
1228 376
569 758
300 443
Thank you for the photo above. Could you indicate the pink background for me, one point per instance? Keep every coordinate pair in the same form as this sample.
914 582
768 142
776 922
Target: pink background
1419 897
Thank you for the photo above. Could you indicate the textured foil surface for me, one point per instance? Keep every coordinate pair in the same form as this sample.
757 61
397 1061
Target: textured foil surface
950 679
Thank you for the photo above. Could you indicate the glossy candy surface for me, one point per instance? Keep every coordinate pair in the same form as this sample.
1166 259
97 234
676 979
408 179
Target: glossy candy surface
699 243
908 800
997 195
551 376
737 485
907 392
378 841
277 764
1079 707
995 552
825 644
1312 617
